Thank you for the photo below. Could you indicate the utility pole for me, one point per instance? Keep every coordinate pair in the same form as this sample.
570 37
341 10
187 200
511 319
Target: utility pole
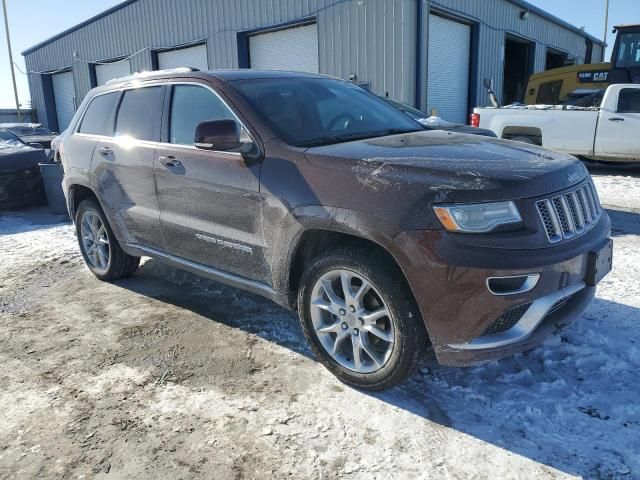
606 22
13 73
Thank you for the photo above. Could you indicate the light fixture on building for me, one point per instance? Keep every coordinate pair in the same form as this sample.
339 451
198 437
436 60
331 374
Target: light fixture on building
524 14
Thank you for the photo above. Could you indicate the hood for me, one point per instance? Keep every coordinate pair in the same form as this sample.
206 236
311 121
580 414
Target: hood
17 156
458 167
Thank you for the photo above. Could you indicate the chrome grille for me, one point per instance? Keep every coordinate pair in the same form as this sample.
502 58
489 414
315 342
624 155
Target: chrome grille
570 214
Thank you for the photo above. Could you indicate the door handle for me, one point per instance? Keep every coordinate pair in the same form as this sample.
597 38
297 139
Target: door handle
170 161
616 119
105 151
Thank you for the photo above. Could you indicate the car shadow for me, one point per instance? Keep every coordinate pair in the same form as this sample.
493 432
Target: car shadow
624 222
545 405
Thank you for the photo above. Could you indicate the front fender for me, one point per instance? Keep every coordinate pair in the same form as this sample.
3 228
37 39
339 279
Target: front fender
316 217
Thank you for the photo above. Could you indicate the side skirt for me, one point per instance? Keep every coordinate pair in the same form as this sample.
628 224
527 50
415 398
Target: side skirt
231 279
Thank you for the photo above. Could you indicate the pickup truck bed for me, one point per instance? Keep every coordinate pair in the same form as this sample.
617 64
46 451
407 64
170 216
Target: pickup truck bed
608 133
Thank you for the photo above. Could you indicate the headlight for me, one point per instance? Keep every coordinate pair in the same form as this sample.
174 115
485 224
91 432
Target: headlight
477 217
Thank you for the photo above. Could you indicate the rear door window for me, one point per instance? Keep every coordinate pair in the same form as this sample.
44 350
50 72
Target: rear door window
140 114
190 106
629 100
98 119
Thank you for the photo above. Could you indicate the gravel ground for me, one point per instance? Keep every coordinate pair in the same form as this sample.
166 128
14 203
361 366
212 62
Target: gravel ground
167 375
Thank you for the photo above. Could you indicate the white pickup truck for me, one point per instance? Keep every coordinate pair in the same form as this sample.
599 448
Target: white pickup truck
610 132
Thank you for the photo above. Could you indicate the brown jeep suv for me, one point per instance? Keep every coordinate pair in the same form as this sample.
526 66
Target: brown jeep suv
388 239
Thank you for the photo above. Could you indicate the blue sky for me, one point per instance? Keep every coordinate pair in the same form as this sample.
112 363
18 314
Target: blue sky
32 21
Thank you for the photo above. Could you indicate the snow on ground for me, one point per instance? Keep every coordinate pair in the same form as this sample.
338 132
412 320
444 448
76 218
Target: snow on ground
168 375
618 188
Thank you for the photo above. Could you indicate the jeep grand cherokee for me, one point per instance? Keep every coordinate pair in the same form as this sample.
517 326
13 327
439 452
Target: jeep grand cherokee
388 240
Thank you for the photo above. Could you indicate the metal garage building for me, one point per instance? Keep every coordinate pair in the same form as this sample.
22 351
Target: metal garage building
432 54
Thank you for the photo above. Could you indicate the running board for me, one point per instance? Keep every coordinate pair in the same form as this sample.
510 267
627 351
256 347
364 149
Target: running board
214 274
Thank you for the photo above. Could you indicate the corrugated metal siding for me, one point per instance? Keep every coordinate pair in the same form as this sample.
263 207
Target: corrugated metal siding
494 18
373 39
8 115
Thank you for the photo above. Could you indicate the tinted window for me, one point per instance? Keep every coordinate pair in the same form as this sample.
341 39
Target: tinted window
629 50
629 100
313 111
98 119
140 114
191 105
6 136
549 93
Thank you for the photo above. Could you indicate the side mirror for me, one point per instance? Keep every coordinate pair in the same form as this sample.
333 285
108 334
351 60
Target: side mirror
39 146
222 135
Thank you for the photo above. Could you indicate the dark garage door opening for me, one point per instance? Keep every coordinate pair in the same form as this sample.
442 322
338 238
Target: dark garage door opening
555 59
518 65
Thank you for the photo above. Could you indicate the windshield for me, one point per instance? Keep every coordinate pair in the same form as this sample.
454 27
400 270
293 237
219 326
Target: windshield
7 136
629 50
307 112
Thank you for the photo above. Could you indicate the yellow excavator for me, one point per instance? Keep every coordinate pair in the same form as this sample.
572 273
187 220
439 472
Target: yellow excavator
586 83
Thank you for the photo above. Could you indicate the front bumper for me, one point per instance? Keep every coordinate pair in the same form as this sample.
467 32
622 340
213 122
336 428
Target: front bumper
460 311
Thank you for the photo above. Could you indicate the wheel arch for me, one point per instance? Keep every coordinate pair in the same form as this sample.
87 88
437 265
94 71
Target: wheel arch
77 193
314 230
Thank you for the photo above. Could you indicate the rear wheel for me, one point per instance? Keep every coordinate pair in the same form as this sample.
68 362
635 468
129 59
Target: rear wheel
360 319
100 248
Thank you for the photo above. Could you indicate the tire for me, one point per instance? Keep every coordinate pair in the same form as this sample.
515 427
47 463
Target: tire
403 325
118 264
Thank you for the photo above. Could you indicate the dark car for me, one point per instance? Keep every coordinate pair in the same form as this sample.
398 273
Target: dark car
387 239
436 123
20 178
31 133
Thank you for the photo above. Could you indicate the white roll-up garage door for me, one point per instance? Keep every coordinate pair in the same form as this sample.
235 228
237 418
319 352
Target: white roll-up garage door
109 71
289 49
64 95
449 61
194 57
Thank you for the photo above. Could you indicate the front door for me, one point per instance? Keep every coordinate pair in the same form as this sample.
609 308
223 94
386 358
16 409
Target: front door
617 134
210 203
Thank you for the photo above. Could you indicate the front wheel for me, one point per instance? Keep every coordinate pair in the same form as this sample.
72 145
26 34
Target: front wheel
360 319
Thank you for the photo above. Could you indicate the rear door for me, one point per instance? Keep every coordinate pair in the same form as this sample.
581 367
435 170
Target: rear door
210 203
123 165
617 134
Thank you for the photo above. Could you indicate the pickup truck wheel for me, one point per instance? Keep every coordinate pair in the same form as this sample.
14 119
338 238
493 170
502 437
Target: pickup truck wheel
100 249
360 319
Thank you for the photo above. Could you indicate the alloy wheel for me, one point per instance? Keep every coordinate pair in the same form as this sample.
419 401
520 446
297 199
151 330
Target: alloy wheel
95 241
352 321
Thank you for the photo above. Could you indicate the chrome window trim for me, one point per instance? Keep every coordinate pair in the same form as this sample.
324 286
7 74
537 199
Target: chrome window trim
123 88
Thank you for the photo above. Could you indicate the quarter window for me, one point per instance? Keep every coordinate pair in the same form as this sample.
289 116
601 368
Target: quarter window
629 100
140 114
98 119
190 106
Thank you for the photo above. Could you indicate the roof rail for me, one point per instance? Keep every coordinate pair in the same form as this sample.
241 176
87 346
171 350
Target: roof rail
154 73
